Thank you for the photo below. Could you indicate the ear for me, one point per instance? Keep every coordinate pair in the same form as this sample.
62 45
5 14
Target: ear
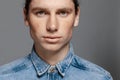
76 22
25 17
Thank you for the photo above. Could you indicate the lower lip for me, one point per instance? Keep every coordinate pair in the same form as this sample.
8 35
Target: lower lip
52 40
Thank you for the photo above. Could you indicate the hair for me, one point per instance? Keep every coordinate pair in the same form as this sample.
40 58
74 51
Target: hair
27 4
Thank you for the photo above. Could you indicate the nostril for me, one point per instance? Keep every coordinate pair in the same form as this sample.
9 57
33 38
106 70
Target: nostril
52 29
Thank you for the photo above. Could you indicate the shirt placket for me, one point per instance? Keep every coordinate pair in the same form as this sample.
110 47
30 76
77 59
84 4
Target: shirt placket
53 73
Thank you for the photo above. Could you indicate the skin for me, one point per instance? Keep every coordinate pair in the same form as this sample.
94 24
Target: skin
51 24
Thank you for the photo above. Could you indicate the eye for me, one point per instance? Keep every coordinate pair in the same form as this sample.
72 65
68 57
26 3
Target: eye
41 13
63 13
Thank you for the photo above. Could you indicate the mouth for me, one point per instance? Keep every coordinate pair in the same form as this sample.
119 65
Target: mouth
52 39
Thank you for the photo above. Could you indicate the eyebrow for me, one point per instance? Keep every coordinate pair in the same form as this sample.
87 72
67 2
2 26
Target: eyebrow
65 9
38 8
59 9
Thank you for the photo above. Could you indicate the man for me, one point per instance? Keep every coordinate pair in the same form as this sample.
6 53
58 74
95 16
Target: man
52 58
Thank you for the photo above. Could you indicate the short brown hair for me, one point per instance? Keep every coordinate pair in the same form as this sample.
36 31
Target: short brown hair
27 3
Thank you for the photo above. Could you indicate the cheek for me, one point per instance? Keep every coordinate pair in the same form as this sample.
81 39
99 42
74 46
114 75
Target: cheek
67 35
37 27
68 23
34 31
36 24
67 26
67 30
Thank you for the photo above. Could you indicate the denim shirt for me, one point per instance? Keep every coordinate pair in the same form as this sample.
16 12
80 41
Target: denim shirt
32 67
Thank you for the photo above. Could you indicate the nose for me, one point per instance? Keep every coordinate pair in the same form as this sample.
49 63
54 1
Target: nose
52 24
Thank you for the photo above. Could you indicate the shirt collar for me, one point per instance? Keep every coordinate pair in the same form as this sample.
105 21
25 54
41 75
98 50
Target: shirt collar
41 66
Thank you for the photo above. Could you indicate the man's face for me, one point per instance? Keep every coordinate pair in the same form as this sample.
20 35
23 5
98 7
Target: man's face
51 23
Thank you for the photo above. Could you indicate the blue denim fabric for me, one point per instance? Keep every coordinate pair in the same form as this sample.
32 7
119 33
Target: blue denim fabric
32 67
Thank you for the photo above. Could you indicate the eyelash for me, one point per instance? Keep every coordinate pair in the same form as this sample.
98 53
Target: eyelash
40 12
61 13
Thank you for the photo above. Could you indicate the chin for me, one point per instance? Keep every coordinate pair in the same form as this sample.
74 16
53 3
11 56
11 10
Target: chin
52 47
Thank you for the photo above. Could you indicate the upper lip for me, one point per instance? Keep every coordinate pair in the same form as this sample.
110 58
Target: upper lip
52 37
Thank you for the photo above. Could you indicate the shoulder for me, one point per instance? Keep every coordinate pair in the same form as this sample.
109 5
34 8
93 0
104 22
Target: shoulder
15 66
90 67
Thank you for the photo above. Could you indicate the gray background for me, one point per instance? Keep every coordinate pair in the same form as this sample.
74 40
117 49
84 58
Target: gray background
96 39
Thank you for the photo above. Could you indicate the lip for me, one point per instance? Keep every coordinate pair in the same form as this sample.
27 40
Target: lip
51 39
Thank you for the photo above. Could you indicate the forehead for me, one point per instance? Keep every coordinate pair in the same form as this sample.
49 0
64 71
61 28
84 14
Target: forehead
52 3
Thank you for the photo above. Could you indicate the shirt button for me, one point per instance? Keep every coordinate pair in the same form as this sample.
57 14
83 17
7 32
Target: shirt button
52 69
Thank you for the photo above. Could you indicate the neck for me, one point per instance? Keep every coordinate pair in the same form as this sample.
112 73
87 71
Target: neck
52 57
